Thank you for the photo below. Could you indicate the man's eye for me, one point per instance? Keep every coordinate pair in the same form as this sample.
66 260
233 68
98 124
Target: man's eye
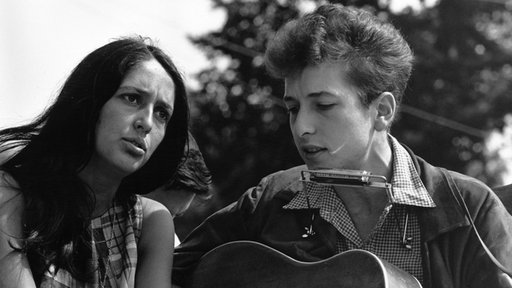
292 110
325 106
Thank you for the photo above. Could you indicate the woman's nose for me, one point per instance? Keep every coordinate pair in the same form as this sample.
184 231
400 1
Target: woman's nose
144 121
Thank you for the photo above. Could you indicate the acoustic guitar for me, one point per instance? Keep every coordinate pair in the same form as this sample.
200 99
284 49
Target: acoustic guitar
247 264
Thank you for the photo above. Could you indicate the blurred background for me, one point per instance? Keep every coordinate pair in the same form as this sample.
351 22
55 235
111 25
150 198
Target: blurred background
457 111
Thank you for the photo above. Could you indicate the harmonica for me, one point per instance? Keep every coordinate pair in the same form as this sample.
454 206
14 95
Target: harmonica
345 177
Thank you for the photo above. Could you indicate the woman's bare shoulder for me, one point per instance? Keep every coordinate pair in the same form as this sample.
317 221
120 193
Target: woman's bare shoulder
13 263
10 194
157 222
150 206
11 213
155 246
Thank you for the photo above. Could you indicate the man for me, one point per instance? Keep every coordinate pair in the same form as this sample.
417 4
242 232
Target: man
345 73
193 178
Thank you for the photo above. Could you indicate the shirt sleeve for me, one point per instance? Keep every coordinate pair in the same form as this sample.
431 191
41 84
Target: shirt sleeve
226 225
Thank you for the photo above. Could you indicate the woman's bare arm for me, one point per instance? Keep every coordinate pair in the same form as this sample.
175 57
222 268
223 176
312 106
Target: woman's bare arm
156 246
13 264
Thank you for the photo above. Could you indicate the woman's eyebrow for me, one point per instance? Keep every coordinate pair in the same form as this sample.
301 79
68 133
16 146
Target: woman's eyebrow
166 105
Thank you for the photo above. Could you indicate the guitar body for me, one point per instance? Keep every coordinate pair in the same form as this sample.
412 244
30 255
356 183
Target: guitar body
253 265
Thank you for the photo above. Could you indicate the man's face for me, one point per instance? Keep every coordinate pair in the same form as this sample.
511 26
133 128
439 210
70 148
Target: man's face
330 126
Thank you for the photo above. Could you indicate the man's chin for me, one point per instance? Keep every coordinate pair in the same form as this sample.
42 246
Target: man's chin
319 167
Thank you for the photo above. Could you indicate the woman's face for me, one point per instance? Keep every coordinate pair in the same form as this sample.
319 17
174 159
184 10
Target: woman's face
133 122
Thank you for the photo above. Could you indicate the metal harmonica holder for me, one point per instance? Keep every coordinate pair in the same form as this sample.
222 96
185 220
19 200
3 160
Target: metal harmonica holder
356 178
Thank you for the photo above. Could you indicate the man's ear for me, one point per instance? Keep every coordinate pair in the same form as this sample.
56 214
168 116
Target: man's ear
386 109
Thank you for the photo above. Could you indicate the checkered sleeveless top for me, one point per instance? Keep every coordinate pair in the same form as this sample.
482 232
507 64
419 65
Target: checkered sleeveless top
115 235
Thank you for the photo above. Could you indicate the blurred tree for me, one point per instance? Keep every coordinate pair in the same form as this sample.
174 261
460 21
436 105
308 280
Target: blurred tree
458 92
461 74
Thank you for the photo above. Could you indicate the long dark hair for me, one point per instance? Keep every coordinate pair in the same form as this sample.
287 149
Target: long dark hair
60 142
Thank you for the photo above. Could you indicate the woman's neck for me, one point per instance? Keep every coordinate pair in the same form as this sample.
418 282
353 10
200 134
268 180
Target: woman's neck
102 186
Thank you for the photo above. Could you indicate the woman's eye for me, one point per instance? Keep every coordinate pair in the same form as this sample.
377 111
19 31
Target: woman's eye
163 115
130 98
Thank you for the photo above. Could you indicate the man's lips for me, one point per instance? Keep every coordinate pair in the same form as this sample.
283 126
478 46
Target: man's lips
312 149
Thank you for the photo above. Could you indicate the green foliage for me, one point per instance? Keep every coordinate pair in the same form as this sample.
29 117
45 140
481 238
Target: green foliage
458 92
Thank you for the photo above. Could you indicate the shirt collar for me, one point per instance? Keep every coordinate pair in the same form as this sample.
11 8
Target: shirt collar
407 187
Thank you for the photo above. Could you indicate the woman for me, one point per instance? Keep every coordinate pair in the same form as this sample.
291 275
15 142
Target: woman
69 213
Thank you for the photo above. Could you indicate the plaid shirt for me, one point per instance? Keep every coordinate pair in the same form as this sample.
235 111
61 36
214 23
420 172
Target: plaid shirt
386 238
115 235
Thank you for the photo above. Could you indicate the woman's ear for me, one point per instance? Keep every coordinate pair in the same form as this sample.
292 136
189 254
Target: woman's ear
386 109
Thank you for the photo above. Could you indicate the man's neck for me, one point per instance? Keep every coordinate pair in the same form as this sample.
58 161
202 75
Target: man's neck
380 157
365 205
